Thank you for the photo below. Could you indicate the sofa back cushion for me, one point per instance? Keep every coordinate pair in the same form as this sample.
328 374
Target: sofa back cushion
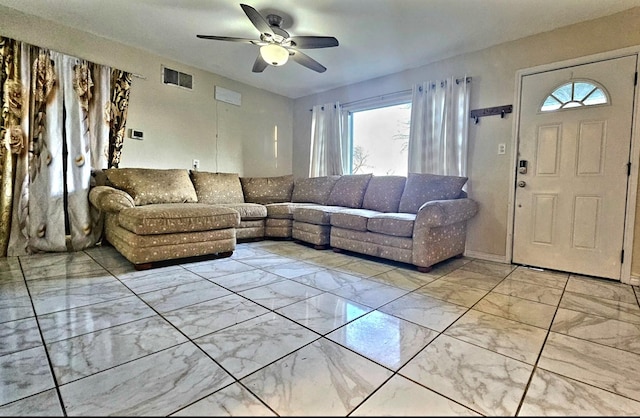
313 190
383 193
150 185
422 188
217 188
267 190
349 190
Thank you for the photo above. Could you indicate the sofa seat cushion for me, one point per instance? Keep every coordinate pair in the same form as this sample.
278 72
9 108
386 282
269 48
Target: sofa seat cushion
422 188
278 228
267 189
248 211
355 219
150 186
368 242
349 190
168 218
283 210
383 193
317 215
396 224
311 233
149 248
217 188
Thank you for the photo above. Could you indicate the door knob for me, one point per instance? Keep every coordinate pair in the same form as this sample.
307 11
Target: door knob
522 183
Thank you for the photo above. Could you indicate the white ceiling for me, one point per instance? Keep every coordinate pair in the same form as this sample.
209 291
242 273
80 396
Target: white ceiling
377 37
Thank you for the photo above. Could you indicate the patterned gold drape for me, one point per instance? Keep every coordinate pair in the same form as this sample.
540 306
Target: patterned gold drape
56 100
120 88
43 86
11 135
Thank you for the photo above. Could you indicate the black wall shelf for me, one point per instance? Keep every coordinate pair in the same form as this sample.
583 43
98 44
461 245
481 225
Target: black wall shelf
490 111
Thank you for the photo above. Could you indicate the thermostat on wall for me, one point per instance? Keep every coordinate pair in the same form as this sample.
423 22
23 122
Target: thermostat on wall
135 134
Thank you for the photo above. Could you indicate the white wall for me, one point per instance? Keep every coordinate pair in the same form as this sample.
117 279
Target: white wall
494 84
179 125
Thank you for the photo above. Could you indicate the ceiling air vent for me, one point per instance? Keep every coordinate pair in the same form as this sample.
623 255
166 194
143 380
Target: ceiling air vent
176 78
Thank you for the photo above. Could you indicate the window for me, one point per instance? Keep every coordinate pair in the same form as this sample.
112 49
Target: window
379 138
575 94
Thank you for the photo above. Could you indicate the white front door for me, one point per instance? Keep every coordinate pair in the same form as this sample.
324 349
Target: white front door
571 185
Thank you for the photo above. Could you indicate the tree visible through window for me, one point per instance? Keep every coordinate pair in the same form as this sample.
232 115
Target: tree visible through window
379 140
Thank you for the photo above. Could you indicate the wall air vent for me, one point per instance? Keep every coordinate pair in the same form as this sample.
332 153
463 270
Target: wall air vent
176 78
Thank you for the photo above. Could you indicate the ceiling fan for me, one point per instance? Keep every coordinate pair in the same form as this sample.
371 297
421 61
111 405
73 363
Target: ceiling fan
276 45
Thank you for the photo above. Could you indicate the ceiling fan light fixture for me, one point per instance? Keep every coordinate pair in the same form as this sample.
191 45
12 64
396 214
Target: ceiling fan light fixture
275 55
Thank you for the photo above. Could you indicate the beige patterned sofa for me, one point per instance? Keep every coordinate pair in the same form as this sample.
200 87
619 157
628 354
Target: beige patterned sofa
420 219
155 215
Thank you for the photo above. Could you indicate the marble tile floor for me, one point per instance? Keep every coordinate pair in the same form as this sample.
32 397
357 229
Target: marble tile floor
282 329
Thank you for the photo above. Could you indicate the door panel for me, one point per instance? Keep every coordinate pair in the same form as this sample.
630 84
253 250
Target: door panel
570 203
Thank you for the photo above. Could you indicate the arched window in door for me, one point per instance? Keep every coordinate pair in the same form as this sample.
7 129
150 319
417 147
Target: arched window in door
575 94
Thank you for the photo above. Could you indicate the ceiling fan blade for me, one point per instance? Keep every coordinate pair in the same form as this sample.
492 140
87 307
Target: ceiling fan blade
307 61
227 38
313 41
258 21
259 65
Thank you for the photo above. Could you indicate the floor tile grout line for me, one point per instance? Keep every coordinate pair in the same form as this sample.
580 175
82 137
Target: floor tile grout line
469 309
320 336
397 372
542 348
189 340
549 331
44 346
236 380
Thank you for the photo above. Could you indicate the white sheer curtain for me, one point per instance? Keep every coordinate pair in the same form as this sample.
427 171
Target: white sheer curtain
326 156
439 127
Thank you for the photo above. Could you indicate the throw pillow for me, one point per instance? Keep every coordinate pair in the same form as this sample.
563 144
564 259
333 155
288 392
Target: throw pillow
267 190
149 185
422 188
383 193
313 190
349 190
217 188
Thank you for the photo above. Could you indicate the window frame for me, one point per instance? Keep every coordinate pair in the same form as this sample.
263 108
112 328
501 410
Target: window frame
394 99
582 106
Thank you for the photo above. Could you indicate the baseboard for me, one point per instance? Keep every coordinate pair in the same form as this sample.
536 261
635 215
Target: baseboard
487 257
634 281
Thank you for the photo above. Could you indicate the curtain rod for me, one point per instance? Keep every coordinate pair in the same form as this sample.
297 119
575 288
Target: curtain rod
378 97
382 96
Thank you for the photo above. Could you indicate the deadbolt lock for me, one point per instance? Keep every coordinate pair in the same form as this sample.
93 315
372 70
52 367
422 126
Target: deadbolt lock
522 183
522 166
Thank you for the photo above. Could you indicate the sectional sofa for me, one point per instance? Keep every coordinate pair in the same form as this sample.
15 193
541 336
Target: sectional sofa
156 215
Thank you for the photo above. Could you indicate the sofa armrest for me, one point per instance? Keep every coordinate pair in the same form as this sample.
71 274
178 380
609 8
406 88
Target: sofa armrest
445 212
110 199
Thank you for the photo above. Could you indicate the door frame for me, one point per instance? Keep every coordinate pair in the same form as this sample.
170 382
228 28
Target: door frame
632 184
